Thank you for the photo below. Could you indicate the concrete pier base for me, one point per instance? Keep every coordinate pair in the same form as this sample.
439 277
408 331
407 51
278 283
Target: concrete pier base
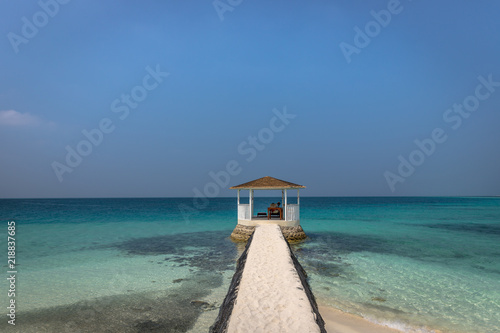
269 291
291 234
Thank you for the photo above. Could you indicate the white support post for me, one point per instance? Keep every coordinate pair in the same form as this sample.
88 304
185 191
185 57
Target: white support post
239 197
285 207
298 197
251 204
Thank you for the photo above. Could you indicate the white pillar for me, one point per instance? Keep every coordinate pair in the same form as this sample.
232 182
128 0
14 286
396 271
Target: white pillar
298 197
251 204
239 197
285 203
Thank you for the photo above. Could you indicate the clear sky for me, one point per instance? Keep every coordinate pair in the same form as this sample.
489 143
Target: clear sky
160 98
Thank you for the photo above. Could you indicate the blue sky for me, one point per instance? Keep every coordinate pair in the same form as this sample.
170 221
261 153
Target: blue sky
177 97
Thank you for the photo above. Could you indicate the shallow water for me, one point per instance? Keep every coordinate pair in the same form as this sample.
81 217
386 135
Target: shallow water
416 264
132 265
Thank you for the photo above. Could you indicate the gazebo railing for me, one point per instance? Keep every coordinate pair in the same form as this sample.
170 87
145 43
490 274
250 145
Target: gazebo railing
292 212
244 212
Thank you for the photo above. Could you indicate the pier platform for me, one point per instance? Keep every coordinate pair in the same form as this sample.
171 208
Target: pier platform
269 291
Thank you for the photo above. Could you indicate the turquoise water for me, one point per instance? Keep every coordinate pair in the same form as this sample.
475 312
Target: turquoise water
132 265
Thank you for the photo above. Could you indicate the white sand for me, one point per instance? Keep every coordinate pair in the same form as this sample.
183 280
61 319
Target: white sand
271 297
341 322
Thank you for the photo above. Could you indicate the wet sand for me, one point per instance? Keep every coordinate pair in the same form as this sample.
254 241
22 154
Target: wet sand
341 322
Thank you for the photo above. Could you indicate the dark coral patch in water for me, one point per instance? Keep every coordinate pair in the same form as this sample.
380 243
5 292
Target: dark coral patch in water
481 228
169 311
210 250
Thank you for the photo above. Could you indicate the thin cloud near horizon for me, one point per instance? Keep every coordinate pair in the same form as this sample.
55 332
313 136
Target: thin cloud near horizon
15 118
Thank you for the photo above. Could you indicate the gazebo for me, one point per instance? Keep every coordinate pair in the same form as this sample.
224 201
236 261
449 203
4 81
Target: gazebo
288 217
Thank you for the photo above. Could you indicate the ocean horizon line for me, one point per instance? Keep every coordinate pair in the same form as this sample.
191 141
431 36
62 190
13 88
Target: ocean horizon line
265 196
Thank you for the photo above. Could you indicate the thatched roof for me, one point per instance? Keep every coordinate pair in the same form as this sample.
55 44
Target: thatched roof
267 183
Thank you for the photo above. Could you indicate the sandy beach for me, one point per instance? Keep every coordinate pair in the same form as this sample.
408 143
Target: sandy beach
341 322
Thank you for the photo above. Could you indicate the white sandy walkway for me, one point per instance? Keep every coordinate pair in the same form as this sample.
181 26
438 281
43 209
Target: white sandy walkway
271 297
